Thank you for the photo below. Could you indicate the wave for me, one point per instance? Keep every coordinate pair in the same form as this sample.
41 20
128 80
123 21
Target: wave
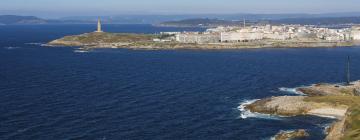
291 90
325 127
11 48
37 44
248 114
81 51
40 44
325 116
46 45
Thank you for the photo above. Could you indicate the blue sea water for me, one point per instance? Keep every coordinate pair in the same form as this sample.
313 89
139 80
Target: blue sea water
119 94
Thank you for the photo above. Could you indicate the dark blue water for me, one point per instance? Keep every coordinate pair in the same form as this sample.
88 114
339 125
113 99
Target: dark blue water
112 94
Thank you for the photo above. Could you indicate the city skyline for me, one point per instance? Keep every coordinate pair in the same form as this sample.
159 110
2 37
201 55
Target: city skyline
51 8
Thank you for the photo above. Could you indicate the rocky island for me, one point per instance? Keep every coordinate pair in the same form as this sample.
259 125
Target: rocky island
330 100
285 36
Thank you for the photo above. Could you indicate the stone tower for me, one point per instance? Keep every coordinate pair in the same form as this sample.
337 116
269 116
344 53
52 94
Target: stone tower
99 26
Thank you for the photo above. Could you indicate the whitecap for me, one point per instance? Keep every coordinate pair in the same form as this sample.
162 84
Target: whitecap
11 48
291 90
46 45
325 127
325 116
80 51
37 44
248 114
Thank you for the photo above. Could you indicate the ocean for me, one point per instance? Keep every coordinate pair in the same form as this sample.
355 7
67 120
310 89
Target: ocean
120 94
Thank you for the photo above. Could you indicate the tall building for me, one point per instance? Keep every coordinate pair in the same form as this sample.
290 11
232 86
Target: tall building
99 26
355 33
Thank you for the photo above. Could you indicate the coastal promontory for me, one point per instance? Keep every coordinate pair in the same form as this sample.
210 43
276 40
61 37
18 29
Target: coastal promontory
338 101
154 41
237 37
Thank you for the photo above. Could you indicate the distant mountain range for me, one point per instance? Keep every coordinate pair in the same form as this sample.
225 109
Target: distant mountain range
329 18
30 20
319 20
10 19
201 22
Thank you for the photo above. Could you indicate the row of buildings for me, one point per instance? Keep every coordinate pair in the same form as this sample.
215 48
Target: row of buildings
252 33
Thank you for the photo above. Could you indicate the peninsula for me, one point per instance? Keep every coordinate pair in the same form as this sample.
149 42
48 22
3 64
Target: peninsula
231 37
332 100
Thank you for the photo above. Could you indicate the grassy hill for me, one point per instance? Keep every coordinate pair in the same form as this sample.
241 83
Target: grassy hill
108 37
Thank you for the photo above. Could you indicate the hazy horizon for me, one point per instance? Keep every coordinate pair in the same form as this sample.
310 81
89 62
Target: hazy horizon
65 8
56 15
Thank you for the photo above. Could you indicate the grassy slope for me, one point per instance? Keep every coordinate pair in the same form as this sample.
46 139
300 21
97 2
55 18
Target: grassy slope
352 131
109 38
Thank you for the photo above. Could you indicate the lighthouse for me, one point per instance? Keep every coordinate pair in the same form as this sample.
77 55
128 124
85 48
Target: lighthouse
99 26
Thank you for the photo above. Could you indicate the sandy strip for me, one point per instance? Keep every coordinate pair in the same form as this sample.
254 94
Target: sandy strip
330 112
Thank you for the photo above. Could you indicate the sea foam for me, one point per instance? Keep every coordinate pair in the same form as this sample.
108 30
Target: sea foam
36 44
80 51
11 48
46 45
291 90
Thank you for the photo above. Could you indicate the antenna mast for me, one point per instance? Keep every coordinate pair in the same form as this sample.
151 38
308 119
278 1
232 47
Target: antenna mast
348 71
244 22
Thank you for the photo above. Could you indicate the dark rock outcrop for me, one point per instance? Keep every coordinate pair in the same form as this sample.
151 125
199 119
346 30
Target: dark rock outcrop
288 135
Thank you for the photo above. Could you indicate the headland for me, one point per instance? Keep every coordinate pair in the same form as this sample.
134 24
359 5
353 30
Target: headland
341 102
234 37
146 41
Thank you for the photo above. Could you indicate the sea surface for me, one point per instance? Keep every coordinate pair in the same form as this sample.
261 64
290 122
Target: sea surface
119 94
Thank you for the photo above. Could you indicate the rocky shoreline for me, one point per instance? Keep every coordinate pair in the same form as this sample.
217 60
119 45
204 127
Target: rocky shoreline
146 41
324 100
288 135
295 105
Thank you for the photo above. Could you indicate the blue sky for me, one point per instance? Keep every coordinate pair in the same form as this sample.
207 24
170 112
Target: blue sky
116 7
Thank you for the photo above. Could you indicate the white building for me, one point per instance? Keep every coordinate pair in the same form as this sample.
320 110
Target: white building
355 33
240 36
284 32
198 38
169 33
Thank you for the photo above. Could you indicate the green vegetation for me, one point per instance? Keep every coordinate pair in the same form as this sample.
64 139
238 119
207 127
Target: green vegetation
352 131
89 38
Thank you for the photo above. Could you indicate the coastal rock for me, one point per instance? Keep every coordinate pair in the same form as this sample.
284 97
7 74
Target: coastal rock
65 43
295 105
284 105
331 89
288 135
336 130
337 101
104 40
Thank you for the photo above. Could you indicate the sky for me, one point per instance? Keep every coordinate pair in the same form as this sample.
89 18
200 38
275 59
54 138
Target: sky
60 8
